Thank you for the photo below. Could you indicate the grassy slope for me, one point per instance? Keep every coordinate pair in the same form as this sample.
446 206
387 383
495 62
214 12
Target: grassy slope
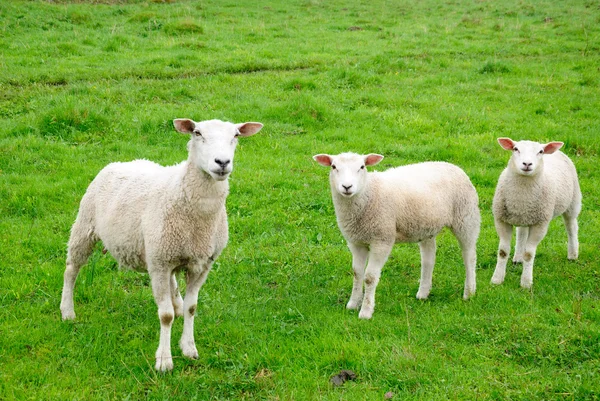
85 84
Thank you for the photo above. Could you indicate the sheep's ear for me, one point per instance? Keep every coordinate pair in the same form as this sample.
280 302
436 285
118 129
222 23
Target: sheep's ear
323 160
184 125
552 147
372 159
506 143
248 129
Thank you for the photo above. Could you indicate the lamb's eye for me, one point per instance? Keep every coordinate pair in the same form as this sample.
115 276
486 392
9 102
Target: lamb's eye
362 167
541 152
237 134
515 149
333 166
197 133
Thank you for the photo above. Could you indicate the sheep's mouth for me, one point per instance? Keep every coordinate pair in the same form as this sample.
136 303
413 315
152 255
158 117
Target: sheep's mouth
220 175
527 169
347 193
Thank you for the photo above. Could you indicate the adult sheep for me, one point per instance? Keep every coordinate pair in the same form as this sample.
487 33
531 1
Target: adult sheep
162 220
411 203
539 183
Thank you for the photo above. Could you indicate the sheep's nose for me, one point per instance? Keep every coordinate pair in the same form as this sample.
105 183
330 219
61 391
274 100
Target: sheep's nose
222 163
347 187
527 164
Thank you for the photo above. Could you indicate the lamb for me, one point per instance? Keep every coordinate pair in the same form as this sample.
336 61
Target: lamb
412 203
539 183
162 220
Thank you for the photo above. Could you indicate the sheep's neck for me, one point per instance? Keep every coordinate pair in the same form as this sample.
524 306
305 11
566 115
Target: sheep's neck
201 190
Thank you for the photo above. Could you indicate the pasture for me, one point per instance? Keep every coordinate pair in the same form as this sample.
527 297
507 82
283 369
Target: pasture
85 83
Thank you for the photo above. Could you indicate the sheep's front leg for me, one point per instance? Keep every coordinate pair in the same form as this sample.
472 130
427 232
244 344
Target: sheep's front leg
505 233
522 234
359 261
378 255
536 235
427 248
196 276
161 288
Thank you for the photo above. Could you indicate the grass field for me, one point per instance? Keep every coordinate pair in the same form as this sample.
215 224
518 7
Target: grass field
86 83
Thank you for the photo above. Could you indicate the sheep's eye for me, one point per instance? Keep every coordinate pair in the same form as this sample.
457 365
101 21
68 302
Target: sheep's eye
197 133
362 167
333 166
237 134
515 149
541 152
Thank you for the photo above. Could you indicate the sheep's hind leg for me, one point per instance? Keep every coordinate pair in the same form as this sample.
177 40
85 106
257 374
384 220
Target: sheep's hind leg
196 276
81 245
359 261
176 296
427 248
378 255
469 255
536 235
161 283
573 241
505 233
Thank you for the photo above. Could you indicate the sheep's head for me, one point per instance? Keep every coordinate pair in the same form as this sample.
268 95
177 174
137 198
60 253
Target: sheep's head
527 156
348 171
212 144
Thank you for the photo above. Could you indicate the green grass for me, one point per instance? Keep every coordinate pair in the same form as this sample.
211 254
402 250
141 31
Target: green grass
85 83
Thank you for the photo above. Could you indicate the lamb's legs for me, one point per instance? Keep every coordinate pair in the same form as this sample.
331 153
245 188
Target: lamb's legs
176 296
572 229
469 255
359 261
378 255
195 279
536 234
81 245
505 233
522 234
161 288
427 248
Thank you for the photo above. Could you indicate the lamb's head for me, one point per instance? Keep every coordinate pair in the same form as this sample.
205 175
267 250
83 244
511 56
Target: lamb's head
527 156
212 144
348 171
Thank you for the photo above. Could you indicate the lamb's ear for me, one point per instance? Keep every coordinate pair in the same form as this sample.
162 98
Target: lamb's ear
506 143
552 147
372 159
248 129
184 125
323 160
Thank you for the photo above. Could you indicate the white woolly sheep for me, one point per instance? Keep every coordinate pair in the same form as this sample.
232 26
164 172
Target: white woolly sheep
539 183
411 203
162 220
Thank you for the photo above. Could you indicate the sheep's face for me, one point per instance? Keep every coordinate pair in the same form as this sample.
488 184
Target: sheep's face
527 156
212 144
348 171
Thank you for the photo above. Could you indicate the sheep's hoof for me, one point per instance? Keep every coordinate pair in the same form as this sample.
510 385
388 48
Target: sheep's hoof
164 364
365 314
518 259
68 315
526 284
573 256
468 293
188 350
422 295
352 304
497 279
